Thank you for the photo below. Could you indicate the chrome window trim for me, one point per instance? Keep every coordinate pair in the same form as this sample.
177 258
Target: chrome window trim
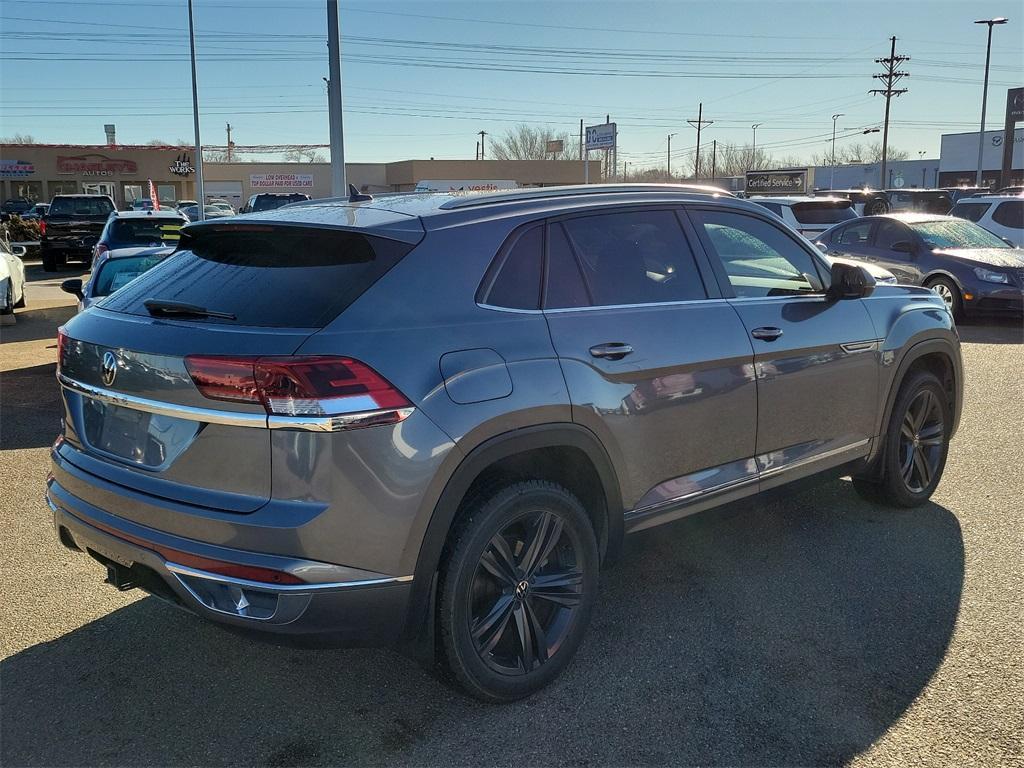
683 302
332 423
181 570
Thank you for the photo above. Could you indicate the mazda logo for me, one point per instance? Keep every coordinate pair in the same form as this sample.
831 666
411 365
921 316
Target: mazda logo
108 370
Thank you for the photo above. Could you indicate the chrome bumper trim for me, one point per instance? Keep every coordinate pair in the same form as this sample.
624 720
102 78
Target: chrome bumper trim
181 570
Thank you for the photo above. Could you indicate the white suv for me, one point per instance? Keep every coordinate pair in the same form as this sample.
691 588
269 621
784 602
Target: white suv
810 216
1002 215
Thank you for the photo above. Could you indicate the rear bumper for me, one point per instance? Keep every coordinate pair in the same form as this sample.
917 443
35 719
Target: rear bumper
369 610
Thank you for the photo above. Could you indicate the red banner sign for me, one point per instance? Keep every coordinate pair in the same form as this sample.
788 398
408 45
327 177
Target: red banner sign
95 165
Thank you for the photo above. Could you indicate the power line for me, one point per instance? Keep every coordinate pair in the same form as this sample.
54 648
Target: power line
890 78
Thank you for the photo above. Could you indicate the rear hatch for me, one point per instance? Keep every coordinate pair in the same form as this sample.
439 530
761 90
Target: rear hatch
134 414
77 222
815 216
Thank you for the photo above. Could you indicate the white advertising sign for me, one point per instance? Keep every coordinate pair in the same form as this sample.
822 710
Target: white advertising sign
288 180
959 151
600 136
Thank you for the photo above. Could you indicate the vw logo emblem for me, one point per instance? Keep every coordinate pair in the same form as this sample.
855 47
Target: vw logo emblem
108 370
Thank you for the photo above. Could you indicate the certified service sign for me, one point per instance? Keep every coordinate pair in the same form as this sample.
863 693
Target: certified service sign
777 182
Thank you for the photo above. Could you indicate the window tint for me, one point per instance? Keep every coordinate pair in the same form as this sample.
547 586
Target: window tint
773 207
824 212
565 286
759 258
854 235
970 211
517 285
1010 214
116 273
890 232
80 206
148 231
637 257
286 277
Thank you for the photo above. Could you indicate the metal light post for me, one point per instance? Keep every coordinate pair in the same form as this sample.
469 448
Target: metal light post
924 171
984 93
832 181
339 187
668 159
195 116
753 147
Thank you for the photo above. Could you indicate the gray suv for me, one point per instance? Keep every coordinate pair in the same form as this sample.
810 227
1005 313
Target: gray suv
427 420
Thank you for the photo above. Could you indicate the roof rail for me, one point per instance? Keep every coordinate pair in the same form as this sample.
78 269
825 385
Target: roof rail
541 193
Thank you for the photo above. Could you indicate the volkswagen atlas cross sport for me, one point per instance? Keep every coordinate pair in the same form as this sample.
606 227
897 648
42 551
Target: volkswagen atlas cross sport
427 420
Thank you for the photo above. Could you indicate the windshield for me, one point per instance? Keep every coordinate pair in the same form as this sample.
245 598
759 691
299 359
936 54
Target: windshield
956 233
116 273
156 231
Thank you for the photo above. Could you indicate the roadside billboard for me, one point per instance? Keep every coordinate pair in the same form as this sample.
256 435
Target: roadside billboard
465 185
281 180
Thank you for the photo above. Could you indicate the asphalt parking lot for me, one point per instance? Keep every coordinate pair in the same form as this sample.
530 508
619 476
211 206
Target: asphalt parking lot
818 630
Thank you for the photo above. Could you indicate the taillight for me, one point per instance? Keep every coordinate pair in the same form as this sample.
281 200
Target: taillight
42 227
62 343
300 386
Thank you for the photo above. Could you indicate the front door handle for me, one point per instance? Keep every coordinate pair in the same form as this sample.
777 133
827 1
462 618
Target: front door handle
767 333
614 350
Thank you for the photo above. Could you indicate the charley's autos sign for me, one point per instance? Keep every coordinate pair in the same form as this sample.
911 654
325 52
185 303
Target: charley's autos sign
777 182
287 180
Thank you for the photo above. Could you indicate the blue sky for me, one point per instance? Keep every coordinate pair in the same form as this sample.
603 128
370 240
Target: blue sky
422 78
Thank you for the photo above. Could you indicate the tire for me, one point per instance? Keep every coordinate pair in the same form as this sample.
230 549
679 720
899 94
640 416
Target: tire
950 294
876 207
522 563
915 446
49 261
20 303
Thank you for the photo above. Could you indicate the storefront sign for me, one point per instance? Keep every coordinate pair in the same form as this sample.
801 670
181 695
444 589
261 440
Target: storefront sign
182 166
290 180
777 182
95 165
16 169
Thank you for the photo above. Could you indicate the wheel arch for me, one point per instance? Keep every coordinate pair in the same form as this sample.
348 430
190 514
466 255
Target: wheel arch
505 455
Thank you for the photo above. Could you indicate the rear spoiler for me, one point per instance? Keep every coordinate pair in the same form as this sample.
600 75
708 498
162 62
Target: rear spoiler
376 222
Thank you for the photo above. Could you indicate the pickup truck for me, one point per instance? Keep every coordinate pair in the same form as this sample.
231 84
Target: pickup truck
71 227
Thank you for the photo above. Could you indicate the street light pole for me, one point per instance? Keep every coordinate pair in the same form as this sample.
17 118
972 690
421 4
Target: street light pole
668 159
753 147
195 116
832 181
334 103
984 92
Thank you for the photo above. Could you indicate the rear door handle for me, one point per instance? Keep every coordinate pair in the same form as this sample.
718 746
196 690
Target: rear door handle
767 333
614 350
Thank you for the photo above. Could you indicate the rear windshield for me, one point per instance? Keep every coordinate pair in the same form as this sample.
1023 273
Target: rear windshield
282 277
824 212
117 273
80 206
270 202
155 231
970 211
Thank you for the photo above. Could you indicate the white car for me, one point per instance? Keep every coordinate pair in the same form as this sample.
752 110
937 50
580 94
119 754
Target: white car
810 216
1002 215
12 277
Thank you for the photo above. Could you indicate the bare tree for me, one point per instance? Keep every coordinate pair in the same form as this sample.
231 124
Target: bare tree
858 152
19 138
304 155
527 142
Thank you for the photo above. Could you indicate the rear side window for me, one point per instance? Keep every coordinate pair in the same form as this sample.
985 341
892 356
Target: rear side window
824 212
517 284
636 257
80 206
970 211
773 207
1010 214
284 277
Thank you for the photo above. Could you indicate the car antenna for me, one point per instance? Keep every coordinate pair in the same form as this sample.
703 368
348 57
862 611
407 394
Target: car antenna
355 196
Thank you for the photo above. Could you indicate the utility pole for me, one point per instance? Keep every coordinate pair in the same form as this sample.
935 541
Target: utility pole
195 115
753 147
714 157
229 141
482 134
625 170
477 155
668 159
832 181
890 78
699 124
334 103
984 93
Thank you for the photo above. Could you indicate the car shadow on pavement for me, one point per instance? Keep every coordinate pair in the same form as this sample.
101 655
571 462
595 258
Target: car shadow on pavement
29 407
992 330
35 324
792 633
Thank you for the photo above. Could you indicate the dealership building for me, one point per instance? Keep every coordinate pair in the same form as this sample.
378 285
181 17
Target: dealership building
40 171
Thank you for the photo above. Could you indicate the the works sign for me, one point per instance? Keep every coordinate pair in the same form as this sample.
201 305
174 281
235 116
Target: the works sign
777 182
94 165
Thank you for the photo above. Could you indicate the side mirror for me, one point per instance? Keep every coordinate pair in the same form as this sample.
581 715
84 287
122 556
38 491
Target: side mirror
1006 240
904 246
19 250
74 287
821 247
850 281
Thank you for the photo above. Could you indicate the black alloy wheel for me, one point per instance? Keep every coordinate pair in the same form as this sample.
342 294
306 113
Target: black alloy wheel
922 441
516 589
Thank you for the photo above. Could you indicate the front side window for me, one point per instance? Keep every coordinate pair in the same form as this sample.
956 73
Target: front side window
855 235
970 211
760 259
891 232
635 257
1010 214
